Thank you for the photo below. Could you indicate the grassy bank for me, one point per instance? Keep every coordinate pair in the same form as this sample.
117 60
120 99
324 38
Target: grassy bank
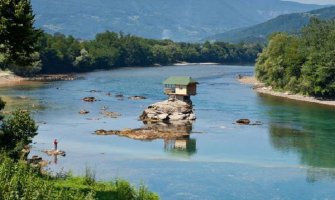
20 181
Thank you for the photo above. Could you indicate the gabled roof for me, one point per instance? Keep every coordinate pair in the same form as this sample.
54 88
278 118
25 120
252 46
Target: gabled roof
179 80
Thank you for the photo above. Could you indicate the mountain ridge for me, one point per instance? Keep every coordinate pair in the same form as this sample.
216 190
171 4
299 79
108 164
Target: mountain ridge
290 23
180 20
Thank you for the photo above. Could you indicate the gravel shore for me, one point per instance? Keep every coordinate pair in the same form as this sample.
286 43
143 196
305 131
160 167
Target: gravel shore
261 88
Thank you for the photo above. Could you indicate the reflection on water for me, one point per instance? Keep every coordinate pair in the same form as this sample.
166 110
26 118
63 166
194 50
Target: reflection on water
181 146
292 151
306 130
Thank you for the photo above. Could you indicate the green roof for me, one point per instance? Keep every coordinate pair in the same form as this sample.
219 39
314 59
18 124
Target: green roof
179 80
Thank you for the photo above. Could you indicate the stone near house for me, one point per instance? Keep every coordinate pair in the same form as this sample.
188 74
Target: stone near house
89 99
84 112
243 121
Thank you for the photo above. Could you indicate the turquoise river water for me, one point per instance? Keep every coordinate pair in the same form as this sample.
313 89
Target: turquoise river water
290 156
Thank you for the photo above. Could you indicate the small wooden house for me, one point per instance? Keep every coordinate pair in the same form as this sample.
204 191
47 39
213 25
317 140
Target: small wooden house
180 87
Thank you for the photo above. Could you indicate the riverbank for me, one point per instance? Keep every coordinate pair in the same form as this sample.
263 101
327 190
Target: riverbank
8 78
14 175
262 89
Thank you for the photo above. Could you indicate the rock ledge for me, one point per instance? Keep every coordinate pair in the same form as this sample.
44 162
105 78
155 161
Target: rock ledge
169 111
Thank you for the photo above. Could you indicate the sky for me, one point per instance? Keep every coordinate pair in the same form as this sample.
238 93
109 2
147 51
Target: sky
321 2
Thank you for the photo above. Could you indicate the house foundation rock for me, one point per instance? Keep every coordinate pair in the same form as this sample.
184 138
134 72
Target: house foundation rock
171 110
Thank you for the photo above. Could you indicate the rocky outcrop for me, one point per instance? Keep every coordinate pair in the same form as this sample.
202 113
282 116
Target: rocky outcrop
152 132
172 110
54 152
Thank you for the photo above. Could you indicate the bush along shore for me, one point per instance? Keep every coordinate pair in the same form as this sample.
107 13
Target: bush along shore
301 64
23 178
21 181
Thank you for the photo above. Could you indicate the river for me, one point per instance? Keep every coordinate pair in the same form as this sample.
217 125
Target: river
290 156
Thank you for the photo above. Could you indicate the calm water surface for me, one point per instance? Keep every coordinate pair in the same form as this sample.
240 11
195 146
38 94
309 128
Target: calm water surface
290 156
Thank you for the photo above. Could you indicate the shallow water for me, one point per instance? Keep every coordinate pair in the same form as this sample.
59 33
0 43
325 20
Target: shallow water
290 156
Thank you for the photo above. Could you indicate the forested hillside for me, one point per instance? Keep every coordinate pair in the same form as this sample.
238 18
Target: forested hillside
26 50
179 20
289 23
60 53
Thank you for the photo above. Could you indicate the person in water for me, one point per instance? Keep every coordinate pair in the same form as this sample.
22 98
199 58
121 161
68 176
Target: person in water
55 145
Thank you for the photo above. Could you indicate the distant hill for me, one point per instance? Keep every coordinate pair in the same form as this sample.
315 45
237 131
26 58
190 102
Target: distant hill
180 20
290 23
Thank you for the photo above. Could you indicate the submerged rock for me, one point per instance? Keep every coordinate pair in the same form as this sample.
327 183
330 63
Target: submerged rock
243 121
248 122
84 112
89 99
119 96
54 152
152 132
168 111
137 98
94 91
110 114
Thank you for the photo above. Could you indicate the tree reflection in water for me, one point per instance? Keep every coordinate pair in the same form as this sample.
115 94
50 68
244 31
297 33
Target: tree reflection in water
307 130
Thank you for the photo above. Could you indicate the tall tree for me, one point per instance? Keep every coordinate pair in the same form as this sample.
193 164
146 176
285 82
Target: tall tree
18 37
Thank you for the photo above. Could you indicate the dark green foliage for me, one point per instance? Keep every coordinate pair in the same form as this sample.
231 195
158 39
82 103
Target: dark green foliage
17 132
20 181
108 50
301 64
18 37
2 106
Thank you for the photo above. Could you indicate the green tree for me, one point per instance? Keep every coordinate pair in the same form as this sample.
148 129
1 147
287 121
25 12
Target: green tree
302 64
18 37
17 132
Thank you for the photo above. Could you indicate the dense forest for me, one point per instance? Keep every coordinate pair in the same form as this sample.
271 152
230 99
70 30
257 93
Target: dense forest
26 50
60 53
303 63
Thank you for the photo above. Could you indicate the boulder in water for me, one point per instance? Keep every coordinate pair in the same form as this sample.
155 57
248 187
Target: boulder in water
84 112
137 98
243 121
89 99
168 111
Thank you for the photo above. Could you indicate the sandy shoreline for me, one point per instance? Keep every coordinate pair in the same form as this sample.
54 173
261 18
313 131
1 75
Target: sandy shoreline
262 89
8 79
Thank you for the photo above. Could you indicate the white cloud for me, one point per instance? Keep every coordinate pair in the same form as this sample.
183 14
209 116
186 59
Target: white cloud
320 2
